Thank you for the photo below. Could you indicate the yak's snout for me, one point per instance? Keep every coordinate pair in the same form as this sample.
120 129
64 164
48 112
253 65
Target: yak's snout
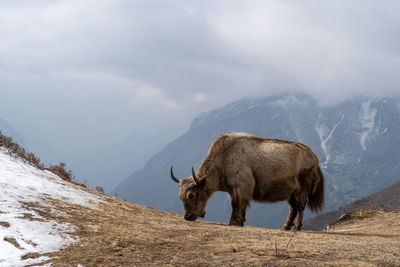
190 217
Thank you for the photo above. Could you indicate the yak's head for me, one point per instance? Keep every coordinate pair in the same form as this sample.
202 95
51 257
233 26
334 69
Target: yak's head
193 195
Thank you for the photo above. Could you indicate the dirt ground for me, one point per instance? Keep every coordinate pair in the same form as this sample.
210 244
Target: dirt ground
118 233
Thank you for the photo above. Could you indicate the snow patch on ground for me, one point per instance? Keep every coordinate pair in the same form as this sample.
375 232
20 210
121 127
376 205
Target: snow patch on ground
347 230
23 231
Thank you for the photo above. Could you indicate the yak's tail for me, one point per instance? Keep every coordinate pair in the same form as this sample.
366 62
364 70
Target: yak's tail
317 195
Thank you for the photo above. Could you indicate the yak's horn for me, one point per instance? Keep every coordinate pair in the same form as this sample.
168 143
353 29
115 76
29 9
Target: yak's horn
173 176
194 177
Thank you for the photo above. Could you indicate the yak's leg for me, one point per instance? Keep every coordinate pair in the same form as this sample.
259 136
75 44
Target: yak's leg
238 216
292 213
299 221
241 182
301 205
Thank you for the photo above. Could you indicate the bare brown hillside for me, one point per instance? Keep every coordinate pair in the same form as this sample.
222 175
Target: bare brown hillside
124 234
387 199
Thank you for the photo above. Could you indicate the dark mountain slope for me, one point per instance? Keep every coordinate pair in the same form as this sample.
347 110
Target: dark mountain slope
387 199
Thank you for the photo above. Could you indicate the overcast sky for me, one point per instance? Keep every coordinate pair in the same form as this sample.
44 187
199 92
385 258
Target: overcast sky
82 75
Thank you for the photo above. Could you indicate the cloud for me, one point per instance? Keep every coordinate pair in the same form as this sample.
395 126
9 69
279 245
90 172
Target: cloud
250 48
325 48
146 95
199 97
159 63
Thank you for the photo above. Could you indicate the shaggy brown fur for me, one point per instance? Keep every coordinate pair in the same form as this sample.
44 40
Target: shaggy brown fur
248 168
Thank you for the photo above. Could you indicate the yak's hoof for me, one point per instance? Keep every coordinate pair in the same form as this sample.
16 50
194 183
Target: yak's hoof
288 226
297 228
235 223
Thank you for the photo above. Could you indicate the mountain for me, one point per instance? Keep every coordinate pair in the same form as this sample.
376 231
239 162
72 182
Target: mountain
7 129
48 221
357 142
387 199
108 167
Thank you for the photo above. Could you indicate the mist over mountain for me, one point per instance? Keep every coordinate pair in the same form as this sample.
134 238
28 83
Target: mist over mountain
7 129
109 166
357 143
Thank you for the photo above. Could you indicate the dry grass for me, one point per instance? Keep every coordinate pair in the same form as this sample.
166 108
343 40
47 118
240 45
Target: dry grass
12 241
125 234
17 151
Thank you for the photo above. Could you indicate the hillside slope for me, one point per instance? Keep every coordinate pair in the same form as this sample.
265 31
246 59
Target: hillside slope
387 199
81 227
126 234
28 198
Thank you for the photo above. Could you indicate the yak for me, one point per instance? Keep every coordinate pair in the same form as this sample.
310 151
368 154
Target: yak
248 168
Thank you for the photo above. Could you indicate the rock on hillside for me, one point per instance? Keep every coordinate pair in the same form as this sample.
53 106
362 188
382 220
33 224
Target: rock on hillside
387 199
357 142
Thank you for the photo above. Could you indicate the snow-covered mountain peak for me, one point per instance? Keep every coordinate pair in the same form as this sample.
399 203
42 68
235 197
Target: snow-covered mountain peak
282 101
